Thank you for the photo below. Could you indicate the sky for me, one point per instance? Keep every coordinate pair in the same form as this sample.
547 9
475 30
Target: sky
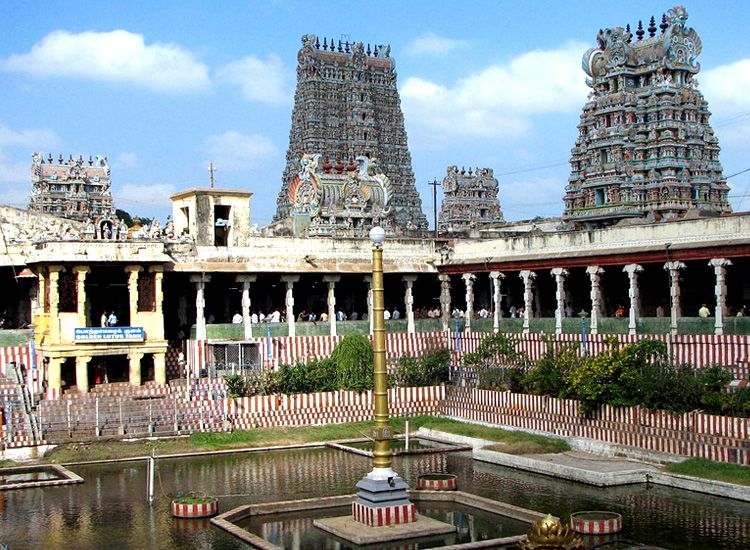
163 88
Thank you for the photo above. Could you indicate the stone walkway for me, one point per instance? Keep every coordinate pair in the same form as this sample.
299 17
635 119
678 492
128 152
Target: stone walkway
595 469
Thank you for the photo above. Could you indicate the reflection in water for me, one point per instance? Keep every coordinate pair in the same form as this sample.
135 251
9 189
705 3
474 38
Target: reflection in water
110 510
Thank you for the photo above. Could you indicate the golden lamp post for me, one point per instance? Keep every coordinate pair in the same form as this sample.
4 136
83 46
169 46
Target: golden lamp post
382 499
381 432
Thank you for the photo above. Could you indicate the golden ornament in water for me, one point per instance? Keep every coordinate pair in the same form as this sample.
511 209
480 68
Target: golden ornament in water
549 533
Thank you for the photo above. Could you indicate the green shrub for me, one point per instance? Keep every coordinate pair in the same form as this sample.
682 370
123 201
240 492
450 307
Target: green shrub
737 403
353 359
431 369
608 378
549 376
498 364
236 386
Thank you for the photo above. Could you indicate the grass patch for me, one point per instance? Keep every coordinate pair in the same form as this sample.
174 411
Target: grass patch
708 469
7 464
512 442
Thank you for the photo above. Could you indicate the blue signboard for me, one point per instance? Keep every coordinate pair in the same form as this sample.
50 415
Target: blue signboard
109 334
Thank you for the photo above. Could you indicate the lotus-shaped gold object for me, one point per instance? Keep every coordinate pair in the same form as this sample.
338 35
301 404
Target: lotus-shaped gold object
548 533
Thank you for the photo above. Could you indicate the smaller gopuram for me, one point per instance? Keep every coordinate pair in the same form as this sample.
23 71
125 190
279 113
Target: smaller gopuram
343 200
645 148
469 200
75 189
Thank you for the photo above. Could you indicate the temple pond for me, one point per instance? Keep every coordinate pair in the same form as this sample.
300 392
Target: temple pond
110 509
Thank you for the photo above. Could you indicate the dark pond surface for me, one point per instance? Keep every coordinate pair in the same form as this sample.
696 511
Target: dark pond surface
24 476
110 510
289 530
399 445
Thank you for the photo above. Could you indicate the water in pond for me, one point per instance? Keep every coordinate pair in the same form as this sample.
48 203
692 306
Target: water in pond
288 530
399 445
109 510
29 475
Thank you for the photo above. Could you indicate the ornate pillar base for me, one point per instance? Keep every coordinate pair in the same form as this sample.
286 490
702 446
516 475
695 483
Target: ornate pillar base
383 501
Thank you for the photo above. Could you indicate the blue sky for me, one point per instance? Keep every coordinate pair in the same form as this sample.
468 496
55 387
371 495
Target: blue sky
162 88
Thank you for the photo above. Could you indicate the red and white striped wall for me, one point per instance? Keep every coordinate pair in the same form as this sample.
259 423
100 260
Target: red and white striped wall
380 516
699 350
22 355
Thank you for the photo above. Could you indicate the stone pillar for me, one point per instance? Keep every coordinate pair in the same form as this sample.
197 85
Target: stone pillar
674 293
331 300
54 302
160 368
290 280
134 358
633 293
54 378
81 271
559 273
720 270
42 283
469 314
82 373
409 302
158 272
528 296
248 326
368 280
594 272
133 271
497 310
200 304
445 301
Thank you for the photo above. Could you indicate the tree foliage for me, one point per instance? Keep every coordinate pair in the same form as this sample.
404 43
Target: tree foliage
497 363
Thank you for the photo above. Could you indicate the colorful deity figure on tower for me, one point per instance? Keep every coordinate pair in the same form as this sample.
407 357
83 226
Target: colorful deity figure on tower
645 149
75 189
347 122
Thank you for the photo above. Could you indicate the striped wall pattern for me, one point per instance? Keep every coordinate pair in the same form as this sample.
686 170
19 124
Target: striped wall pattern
381 516
580 524
328 407
694 434
699 350
21 355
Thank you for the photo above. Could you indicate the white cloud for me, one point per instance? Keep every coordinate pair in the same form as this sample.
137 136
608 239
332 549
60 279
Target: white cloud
126 159
431 43
725 88
499 101
265 81
16 147
116 56
233 151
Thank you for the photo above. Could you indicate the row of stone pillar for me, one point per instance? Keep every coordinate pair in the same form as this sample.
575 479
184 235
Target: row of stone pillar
719 266
201 279
528 276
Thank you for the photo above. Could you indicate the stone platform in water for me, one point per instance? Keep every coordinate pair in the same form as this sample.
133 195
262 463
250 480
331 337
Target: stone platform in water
347 528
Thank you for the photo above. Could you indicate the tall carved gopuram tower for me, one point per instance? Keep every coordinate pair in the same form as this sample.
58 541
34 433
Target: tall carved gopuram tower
346 105
645 149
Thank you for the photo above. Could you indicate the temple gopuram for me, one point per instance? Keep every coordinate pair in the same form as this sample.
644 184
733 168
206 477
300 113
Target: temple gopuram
75 189
645 149
469 200
346 106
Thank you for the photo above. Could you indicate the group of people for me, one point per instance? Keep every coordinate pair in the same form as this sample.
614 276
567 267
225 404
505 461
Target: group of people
108 319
